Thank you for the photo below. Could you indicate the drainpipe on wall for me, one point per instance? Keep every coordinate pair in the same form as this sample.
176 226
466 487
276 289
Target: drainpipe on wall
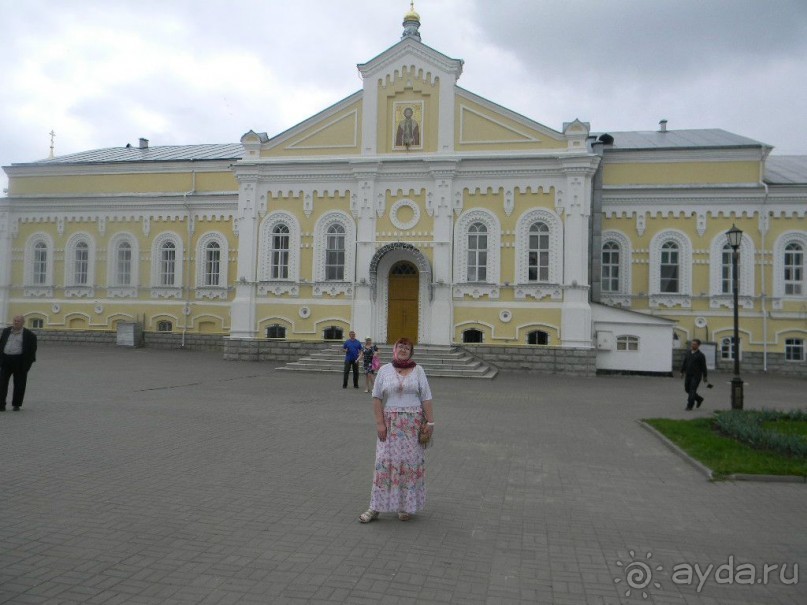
187 283
764 297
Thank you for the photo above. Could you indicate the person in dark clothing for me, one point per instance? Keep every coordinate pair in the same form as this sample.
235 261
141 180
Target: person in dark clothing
17 355
693 370
352 349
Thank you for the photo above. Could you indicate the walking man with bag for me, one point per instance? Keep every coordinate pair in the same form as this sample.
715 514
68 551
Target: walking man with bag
693 371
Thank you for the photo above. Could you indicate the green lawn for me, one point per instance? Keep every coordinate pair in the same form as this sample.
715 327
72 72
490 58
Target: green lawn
727 456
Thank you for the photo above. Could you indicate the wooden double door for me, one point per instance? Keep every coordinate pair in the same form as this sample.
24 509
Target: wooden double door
402 309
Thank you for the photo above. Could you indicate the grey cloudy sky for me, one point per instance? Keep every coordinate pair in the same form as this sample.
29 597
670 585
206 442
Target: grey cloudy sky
104 73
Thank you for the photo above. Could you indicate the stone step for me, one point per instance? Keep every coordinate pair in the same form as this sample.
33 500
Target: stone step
437 361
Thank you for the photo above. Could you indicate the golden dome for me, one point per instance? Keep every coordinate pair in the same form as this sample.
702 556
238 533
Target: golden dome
412 15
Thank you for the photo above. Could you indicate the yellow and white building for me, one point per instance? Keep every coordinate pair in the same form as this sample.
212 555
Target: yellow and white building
414 207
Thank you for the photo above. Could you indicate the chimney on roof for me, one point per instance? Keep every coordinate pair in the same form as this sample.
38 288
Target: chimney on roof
662 126
144 143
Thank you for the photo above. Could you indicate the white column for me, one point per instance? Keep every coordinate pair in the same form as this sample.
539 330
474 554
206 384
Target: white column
364 309
576 322
242 309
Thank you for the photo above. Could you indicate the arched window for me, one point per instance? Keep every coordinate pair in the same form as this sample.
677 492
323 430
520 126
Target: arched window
333 333
669 268
727 348
81 264
40 264
164 326
123 264
36 322
276 331
477 253
537 337
168 261
212 264
279 255
610 267
794 269
335 253
627 343
472 336
538 252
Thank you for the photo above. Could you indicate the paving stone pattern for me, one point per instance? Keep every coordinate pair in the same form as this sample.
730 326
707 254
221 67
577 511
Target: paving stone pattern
172 477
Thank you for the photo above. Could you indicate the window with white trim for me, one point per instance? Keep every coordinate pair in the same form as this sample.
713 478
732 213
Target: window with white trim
669 268
627 343
123 264
477 253
538 253
794 349
610 266
212 268
793 264
335 253
81 264
168 262
537 337
727 348
40 272
279 254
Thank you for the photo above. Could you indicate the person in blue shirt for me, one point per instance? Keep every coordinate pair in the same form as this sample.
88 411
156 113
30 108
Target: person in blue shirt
352 349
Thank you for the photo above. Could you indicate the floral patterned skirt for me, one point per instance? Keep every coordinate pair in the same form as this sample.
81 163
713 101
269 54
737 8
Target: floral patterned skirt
400 472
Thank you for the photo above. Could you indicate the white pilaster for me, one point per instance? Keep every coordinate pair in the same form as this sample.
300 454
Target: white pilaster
242 310
364 311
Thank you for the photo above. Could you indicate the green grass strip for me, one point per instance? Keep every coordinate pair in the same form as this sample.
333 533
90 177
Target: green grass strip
724 455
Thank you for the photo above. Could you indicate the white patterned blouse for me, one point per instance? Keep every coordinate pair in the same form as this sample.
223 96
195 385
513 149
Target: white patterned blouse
399 392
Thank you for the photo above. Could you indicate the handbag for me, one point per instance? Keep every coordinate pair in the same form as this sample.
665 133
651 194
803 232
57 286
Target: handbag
376 363
424 436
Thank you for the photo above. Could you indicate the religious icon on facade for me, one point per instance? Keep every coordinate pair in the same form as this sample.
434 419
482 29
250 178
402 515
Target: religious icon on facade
408 120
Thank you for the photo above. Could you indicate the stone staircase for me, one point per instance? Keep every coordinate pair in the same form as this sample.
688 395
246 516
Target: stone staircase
437 360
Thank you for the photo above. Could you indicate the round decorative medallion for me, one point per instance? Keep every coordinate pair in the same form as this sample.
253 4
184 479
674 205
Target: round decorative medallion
400 215
304 312
56 307
99 309
505 316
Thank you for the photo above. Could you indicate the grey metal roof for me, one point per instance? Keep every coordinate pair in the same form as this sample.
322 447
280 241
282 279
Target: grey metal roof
164 153
786 169
679 139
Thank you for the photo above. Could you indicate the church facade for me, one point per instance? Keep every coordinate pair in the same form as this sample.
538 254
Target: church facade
417 208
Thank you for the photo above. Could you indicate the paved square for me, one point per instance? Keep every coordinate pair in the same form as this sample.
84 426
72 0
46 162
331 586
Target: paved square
145 476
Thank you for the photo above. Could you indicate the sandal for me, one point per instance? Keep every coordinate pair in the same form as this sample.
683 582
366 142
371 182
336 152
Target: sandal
368 515
404 516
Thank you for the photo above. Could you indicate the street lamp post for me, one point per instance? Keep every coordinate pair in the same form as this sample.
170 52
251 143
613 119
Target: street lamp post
735 236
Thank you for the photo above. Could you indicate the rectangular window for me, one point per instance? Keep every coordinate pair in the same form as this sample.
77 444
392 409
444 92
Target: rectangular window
725 271
37 322
610 268
793 271
794 349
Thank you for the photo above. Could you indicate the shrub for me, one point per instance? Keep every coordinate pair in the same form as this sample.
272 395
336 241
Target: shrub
747 426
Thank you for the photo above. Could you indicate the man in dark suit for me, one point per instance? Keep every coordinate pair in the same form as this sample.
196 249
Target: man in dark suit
693 370
17 355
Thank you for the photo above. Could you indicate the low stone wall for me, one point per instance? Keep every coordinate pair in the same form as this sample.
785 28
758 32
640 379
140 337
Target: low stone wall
269 350
153 340
543 360
752 363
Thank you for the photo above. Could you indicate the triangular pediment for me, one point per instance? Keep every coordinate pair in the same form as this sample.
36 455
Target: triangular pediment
484 125
410 52
334 131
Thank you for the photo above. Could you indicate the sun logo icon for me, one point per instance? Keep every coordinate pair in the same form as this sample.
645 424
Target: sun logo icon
638 574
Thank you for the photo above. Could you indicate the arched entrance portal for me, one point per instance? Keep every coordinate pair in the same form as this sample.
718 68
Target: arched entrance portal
402 306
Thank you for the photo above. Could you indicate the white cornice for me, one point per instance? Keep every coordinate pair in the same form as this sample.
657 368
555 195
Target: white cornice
106 168
668 156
